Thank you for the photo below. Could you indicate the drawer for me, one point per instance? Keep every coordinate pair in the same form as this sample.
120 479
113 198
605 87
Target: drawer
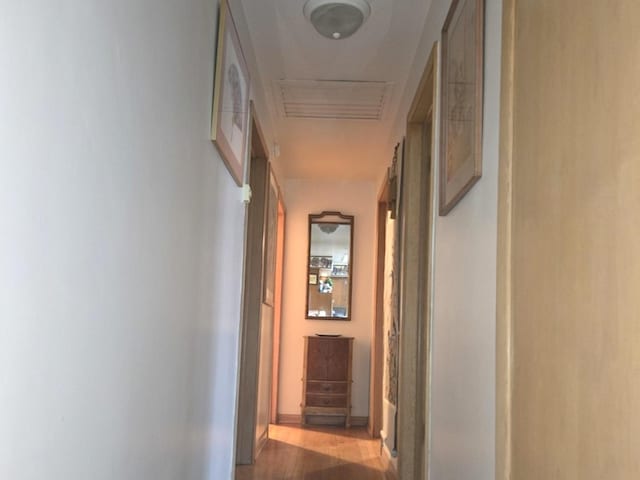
317 400
322 387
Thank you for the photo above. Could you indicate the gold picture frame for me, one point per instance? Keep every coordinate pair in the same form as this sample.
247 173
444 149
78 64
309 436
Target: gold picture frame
461 101
230 112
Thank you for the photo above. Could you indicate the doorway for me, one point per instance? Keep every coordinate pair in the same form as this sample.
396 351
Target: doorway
417 221
261 304
377 347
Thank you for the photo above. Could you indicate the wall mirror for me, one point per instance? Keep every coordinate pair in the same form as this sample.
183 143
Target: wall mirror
330 262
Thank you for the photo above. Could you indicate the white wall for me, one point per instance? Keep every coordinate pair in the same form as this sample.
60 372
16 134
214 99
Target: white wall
351 198
121 239
463 336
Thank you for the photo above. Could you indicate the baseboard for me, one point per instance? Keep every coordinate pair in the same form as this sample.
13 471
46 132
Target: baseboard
389 462
288 419
359 421
334 420
262 441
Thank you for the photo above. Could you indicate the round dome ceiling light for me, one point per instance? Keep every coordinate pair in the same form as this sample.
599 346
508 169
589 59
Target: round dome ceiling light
337 19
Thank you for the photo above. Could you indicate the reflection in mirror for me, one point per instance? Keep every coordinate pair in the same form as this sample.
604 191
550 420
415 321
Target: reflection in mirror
329 271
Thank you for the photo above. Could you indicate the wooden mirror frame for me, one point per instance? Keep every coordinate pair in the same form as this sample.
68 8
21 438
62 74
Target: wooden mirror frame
340 219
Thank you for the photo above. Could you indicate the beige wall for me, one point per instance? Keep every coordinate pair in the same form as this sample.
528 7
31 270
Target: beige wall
574 238
302 198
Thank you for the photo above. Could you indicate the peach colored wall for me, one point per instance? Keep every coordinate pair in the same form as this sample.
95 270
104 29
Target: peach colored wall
302 198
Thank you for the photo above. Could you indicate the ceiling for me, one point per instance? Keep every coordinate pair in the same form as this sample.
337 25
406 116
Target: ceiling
288 48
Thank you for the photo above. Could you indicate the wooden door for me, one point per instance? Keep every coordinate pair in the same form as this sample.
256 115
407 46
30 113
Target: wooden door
569 255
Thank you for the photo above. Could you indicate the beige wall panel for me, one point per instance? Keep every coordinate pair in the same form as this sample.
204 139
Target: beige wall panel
575 233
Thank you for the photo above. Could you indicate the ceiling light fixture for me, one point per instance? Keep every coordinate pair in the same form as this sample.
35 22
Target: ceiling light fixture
328 227
337 19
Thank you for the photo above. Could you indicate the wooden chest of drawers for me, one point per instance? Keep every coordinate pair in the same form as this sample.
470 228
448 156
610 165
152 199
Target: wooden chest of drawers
326 382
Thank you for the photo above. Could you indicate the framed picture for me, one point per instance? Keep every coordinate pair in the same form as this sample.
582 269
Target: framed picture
230 113
340 270
270 236
313 279
320 261
461 101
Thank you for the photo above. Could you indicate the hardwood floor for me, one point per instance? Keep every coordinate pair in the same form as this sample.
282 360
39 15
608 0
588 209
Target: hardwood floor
317 453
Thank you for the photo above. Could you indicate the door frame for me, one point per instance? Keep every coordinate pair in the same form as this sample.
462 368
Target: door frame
258 178
277 308
374 424
504 347
416 284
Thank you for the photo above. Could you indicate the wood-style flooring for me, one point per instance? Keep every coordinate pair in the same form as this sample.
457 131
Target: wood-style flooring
317 453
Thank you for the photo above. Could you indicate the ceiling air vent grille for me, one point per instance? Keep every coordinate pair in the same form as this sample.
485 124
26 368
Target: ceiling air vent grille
341 100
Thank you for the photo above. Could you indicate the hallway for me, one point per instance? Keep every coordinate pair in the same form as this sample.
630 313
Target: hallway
156 262
327 453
